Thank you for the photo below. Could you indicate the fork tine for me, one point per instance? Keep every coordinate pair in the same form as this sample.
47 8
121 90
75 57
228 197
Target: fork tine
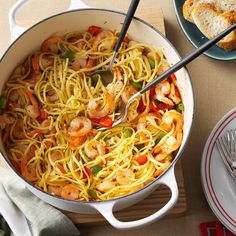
223 155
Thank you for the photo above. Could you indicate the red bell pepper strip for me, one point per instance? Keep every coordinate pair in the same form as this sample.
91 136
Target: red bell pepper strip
43 115
94 30
104 121
142 160
141 106
86 173
172 77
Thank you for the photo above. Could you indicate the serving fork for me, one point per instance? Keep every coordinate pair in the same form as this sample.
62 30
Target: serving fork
226 145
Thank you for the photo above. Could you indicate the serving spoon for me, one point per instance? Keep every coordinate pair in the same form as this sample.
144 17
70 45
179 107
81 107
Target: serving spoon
107 76
124 106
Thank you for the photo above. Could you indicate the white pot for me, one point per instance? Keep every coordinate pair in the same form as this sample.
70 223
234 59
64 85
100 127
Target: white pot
30 41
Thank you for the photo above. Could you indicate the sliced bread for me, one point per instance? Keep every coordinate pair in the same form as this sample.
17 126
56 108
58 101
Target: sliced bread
224 5
211 20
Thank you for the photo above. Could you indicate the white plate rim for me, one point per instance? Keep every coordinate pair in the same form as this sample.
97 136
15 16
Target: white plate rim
208 189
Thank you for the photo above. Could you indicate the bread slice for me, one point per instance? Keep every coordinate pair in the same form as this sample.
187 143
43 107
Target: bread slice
224 5
211 21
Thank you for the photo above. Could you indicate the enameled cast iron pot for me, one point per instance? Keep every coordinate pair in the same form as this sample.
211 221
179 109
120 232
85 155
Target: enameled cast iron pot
25 41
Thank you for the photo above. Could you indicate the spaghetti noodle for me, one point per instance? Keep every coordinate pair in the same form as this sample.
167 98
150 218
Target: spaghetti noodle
52 101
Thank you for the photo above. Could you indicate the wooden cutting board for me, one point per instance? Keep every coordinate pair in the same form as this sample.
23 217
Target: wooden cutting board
156 200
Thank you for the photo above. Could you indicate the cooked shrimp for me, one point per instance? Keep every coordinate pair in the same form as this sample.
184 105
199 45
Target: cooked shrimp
94 149
70 192
5 120
28 170
18 130
124 177
56 155
33 109
162 89
132 43
76 141
104 43
95 112
50 44
147 119
79 63
105 186
79 126
46 61
52 96
162 168
128 92
164 66
55 190
174 94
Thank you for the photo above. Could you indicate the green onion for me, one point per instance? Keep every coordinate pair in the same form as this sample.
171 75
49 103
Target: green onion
139 146
95 169
127 133
159 137
67 54
92 193
137 85
94 80
180 107
168 158
151 63
3 102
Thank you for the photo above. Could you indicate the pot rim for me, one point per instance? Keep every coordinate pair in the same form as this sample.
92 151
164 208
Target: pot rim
183 145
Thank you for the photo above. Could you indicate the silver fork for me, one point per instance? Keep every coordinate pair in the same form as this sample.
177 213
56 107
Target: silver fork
231 139
223 149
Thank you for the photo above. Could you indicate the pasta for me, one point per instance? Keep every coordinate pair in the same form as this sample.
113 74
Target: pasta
53 101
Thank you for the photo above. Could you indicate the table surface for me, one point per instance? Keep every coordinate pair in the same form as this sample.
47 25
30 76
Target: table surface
215 92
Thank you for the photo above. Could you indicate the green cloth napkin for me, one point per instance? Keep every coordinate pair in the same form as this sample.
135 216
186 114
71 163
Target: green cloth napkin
44 219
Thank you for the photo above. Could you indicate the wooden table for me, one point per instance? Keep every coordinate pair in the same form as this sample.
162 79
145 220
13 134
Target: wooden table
215 94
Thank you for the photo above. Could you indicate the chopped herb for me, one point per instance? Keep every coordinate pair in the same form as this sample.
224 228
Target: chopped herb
151 63
95 169
168 158
3 102
139 146
137 85
180 107
92 193
94 80
127 133
67 54
159 137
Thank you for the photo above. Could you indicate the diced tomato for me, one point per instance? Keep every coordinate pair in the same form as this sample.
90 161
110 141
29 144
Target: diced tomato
141 106
163 106
43 115
9 106
90 63
172 77
152 91
142 160
104 121
106 150
87 174
94 30
153 108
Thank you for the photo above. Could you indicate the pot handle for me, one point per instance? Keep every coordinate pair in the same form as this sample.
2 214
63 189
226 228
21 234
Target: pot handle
106 208
17 30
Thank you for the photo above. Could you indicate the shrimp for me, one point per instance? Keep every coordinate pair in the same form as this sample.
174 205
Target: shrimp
28 170
125 177
79 63
100 39
33 109
18 130
147 119
76 141
162 89
5 120
173 142
162 168
46 61
128 92
50 44
93 110
55 190
94 148
70 192
105 186
174 94
56 155
79 126
52 96
164 66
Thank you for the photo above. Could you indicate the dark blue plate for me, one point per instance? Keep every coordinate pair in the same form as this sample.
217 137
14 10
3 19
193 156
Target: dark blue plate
197 38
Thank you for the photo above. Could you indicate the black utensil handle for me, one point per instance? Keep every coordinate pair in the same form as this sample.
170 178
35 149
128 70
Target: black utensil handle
189 58
128 19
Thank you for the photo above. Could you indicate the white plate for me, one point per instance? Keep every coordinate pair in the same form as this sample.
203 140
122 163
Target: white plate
219 187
